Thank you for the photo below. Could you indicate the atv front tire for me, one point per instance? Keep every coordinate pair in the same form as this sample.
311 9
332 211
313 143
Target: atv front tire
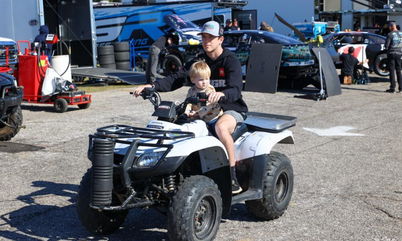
97 222
278 187
12 125
196 210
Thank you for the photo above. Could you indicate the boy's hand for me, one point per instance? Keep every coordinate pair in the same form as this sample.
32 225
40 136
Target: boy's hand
215 97
138 90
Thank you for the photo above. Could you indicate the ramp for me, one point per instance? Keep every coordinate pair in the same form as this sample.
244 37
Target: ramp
108 75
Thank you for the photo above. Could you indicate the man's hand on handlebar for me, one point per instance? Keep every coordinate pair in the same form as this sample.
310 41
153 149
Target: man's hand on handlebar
138 90
215 97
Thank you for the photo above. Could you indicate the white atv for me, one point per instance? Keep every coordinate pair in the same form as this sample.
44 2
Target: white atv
184 174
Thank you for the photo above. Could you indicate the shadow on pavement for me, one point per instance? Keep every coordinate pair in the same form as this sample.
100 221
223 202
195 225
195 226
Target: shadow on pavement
46 108
37 221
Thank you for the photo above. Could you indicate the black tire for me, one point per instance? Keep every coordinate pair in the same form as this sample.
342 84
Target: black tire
84 106
60 105
108 66
96 222
278 187
106 59
122 56
121 46
171 64
123 65
195 211
14 122
381 65
105 50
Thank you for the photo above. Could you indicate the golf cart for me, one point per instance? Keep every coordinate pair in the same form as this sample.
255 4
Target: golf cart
184 174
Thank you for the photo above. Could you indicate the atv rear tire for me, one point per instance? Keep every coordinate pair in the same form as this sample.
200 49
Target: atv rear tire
196 210
13 125
278 187
97 222
381 65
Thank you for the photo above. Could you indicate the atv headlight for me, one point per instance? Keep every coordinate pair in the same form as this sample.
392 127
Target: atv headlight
149 159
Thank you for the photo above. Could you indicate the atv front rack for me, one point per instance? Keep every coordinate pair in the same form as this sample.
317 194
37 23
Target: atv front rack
119 132
101 152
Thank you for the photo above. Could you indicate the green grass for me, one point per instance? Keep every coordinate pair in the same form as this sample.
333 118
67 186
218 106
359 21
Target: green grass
95 88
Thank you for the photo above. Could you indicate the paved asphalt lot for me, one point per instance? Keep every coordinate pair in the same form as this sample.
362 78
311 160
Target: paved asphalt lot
346 187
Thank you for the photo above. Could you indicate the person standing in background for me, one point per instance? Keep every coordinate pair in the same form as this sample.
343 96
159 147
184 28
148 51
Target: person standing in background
393 46
228 25
235 24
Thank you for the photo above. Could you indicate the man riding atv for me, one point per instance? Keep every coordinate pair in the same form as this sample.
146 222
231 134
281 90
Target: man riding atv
226 77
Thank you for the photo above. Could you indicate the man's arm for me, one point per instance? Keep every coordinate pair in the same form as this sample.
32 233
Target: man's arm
171 82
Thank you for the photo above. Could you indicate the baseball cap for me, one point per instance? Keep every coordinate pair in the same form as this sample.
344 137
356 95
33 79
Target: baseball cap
213 28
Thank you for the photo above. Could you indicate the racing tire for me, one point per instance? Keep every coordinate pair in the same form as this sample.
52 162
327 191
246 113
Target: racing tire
121 46
106 59
123 65
12 126
96 222
171 64
84 106
60 105
195 211
122 56
278 187
108 66
105 50
381 65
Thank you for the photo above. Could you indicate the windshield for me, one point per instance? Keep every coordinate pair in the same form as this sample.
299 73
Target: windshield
179 23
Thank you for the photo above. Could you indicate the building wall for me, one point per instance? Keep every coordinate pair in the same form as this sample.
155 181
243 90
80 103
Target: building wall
335 5
299 11
332 5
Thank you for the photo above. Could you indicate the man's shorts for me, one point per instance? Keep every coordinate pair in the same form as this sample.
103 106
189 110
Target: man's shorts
239 117
236 115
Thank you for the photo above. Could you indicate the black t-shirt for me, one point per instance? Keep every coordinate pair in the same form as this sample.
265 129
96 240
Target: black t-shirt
349 63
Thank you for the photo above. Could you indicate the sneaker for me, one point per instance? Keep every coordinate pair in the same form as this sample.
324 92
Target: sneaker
390 91
236 189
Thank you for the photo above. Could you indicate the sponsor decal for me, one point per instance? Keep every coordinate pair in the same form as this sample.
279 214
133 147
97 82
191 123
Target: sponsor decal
222 72
218 83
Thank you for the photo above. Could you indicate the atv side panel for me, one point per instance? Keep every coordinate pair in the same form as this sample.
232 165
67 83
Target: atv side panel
262 143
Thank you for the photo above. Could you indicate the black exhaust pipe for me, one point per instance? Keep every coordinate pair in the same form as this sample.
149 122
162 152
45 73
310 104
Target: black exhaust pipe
102 177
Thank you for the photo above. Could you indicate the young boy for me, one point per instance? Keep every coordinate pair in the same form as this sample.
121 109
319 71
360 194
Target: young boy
199 75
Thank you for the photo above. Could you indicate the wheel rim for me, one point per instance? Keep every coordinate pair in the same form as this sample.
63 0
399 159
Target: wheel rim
171 66
281 187
204 217
59 105
382 66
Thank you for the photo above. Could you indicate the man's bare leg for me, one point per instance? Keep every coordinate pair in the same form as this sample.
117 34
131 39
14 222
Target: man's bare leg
224 128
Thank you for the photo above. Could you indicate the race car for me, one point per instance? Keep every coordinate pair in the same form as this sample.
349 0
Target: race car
369 49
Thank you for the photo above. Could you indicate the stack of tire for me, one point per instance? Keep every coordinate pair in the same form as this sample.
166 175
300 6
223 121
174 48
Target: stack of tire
106 57
122 55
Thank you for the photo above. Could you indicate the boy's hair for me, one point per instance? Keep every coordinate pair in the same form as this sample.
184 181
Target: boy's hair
351 50
200 68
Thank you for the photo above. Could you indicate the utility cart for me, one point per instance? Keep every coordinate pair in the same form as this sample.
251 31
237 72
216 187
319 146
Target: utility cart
30 74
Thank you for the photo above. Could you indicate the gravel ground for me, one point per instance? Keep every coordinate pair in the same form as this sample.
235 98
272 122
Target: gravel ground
346 187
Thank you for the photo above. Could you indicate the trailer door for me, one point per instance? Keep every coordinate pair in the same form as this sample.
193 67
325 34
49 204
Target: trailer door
73 22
